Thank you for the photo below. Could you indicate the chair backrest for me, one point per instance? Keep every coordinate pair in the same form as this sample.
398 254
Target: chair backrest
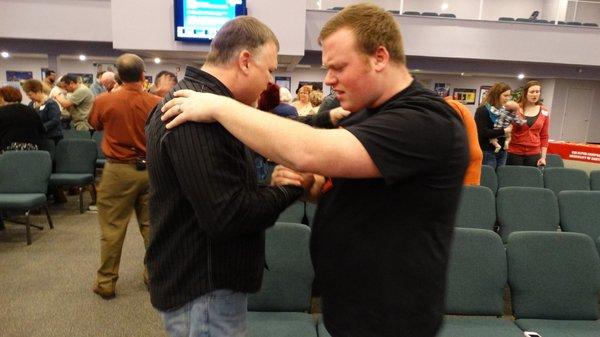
288 279
25 171
293 214
489 178
553 275
97 137
76 156
526 209
477 208
523 20
80 134
429 14
527 176
595 180
574 23
447 15
505 18
411 13
566 179
477 273
590 24
554 160
580 212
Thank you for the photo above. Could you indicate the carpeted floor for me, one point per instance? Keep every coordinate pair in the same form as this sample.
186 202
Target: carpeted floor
46 287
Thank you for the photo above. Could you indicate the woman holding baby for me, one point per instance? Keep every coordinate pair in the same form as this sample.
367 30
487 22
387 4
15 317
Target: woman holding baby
491 127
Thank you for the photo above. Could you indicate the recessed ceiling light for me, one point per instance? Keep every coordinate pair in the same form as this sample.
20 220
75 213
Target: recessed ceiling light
82 57
521 76
444 6
157 60
5 54
462 74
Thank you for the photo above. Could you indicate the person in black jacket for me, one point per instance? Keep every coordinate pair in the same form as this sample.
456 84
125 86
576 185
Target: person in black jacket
47 108
498 96
383 227
20 126
208 214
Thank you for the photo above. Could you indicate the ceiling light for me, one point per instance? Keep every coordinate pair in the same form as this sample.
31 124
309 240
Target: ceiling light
82 57
521 76
157 60
462 74
5 54
444 6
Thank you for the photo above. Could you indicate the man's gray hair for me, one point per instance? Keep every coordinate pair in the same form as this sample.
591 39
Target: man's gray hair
244 32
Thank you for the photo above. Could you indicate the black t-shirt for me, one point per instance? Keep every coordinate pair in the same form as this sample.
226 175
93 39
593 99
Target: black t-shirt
380 246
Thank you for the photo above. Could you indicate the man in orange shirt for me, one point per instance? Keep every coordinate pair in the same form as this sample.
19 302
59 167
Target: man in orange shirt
473 173
125 185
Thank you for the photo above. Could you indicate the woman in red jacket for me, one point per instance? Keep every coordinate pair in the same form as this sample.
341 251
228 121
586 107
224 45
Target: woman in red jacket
530 140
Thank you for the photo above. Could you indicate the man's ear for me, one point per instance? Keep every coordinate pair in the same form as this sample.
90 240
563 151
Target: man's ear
244 61
380 58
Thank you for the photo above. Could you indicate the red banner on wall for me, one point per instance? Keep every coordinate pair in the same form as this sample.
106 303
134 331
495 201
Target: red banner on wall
575 151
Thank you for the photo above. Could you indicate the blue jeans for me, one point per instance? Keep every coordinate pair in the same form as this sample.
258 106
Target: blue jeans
221 313
493 159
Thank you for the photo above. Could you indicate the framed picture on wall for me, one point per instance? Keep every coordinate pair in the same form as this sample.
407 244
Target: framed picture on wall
284 81
465 96
483 90
18 76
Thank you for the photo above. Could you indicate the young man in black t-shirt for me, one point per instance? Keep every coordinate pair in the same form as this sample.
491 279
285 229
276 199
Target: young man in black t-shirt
383 228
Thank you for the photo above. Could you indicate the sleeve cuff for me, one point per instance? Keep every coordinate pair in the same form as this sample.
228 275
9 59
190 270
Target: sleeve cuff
291 193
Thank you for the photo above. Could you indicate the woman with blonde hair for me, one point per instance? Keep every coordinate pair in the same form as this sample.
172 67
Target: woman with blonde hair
303 105
530 140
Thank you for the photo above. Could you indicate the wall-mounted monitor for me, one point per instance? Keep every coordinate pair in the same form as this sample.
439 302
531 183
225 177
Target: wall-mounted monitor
200 20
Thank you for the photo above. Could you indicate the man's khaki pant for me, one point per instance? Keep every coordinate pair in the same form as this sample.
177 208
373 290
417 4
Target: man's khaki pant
122 190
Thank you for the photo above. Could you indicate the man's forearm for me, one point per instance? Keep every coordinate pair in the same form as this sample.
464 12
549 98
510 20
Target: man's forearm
271 136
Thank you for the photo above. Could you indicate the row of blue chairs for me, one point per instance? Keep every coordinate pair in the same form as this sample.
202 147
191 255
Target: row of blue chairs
556 179
554 280
553 277
529 209
442 15
397 12
568 23
26 175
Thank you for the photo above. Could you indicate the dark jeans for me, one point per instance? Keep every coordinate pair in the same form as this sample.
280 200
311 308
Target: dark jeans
494 159
515 159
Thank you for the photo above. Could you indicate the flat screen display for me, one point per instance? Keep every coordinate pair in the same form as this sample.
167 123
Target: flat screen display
200 20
